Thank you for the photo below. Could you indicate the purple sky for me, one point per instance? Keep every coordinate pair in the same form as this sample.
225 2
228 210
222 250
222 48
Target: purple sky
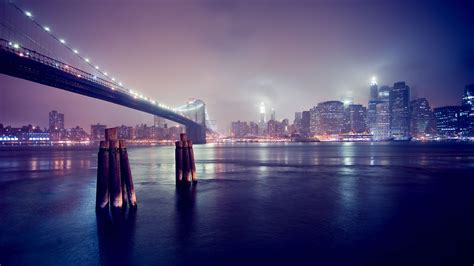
235 54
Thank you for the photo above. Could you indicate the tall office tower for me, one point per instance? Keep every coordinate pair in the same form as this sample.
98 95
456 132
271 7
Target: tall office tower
382 122
56 125
56 121
399 103
239 129
372 106
374 92
355 118
262 122
421 118
297 121
468 100
305 124
262 113
452 121
253 129
272 115
329 117
98 132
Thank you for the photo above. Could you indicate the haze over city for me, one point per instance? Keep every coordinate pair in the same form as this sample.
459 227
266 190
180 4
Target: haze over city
236 54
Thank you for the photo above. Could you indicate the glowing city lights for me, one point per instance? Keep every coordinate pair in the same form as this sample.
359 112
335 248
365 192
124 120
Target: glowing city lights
62 41
46 28
373 81
28 14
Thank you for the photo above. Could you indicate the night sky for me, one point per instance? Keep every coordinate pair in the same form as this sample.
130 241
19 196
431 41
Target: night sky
235 54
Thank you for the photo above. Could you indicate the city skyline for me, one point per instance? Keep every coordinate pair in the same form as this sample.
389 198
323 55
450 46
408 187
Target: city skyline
236 60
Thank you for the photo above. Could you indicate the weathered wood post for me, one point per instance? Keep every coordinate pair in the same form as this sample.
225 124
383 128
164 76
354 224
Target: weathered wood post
179 162
102 190
191 161
184 160
115 181
186 163
126 174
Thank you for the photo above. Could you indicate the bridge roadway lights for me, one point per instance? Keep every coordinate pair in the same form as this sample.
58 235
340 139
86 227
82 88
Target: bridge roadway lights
196 133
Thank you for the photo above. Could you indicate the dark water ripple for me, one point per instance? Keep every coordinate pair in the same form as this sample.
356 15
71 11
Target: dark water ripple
280 204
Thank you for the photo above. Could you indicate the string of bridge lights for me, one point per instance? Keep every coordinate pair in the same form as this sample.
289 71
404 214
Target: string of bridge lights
87 60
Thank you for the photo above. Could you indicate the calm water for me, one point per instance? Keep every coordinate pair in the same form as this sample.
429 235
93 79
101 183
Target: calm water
317 204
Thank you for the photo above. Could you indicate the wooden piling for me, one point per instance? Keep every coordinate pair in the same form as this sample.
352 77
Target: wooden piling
115 182
191 161
111 133
102 190
179 161
186 162
126 175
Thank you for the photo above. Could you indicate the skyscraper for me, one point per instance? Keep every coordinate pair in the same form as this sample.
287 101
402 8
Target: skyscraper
328 117
297 122
272 115
56 125
372 105
452 121
56 121
421 118
98 132
355 118
305 124
400 111
382 122
262 122
468 100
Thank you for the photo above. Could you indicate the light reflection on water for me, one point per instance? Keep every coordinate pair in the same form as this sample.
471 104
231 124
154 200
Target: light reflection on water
268 203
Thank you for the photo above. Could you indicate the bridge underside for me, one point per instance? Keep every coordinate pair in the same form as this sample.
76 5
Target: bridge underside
47 74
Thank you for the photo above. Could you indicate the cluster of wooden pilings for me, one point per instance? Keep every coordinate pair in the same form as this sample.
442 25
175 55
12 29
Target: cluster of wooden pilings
114 176
184 160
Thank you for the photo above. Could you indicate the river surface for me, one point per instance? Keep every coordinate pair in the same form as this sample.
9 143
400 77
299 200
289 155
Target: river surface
280 204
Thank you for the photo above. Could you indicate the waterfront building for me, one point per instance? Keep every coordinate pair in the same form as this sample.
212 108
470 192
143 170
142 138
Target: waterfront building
328 118
239 129
399 101
355 118
468 100
76 134
305 124
297 122
382 123
56 125
421 118
98 132
452 121
56 121
253 129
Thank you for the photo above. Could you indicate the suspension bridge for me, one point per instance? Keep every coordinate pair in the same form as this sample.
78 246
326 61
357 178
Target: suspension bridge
30 50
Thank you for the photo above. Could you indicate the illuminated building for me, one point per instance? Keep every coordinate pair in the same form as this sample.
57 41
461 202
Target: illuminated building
382 122
399 101
452 121
327 118
56 125
468 100
98 132
421 118
305 124
355 118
